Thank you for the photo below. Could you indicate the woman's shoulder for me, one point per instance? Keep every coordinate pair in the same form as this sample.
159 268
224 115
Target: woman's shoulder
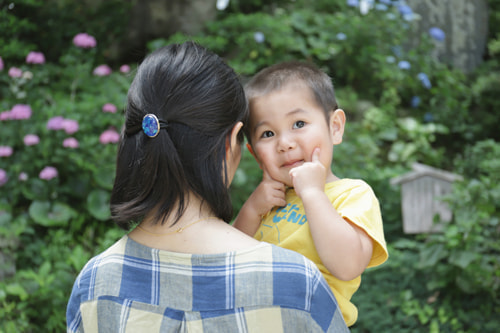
115 250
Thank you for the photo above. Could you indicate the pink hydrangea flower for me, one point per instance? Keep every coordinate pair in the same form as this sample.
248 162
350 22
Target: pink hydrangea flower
35 58
5 115
70 126
71 143
31 140
3 177
20 111
102 70
6 151
124 68
48 173
109 136
1 64
55 123
23 176
15 72
84 41
108 107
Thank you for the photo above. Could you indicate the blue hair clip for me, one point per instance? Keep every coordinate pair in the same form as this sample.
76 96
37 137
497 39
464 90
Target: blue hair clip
151 125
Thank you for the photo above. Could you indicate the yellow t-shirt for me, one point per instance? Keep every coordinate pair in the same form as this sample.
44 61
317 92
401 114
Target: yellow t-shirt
355 201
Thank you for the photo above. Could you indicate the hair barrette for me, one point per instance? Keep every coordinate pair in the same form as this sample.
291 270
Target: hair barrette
151 125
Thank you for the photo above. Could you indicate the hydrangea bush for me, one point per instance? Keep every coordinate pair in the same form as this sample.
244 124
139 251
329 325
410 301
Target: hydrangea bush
59 129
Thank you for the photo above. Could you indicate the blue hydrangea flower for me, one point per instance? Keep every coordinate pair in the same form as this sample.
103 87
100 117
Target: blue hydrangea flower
353 3
397 51
437 34
381 6
390 16
405 10
365 6
386 2
341 36
403 64
415 102
222 4
259 37
425 80
390 59
428 117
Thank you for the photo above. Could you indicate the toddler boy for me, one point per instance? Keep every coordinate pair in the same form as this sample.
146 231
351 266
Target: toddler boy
300 204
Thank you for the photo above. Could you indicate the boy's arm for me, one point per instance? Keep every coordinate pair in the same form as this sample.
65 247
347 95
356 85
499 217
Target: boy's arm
268 194
344 249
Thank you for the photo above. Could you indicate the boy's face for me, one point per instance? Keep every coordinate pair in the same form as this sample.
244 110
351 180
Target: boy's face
286 126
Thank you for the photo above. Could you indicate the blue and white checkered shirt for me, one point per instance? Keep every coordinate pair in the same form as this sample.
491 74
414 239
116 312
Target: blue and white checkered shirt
134 288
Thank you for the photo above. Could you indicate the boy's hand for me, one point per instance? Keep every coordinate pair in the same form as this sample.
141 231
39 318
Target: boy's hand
310 176
268 194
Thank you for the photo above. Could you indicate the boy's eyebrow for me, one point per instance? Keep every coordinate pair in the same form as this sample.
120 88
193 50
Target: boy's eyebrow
287 114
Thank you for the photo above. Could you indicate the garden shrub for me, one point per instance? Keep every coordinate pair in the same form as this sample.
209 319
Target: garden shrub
59 132
47 25
468 250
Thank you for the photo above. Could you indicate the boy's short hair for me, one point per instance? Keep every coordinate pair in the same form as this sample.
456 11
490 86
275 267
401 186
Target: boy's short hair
280 75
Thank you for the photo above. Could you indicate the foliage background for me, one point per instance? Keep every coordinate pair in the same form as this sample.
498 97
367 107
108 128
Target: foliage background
445 282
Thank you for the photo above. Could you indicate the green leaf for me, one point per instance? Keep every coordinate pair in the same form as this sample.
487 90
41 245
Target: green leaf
17 290
431 255
104 176
98 204
5 218
45 269
50 215
462 259
78 257
36 189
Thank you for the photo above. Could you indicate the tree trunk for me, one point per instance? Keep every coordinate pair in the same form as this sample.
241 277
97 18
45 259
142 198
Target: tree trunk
465 23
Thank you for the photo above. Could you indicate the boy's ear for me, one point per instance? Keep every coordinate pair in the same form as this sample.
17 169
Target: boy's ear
337 125
249 147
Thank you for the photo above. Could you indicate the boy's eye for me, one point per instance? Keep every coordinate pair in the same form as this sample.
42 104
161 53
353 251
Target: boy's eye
267 134
299 124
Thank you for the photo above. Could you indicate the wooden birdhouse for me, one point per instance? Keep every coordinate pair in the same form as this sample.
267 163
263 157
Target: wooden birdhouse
421 193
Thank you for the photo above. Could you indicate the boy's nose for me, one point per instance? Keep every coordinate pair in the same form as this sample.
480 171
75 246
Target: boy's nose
285 143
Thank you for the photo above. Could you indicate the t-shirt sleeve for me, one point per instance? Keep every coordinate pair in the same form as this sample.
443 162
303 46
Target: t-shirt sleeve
360 206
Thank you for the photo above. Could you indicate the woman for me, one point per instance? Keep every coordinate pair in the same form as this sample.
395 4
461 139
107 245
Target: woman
183 268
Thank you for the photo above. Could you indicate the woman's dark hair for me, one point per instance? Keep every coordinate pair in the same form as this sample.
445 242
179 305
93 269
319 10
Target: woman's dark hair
201 99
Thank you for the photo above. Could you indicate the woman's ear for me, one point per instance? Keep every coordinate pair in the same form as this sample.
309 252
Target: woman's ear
337 125
232 141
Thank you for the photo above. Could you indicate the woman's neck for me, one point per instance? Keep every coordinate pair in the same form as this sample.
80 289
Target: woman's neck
197 231
195 211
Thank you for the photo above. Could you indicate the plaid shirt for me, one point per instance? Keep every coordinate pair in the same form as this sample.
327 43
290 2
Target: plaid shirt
134 288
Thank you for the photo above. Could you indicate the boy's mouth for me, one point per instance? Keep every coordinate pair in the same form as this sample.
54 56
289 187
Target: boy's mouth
292 163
